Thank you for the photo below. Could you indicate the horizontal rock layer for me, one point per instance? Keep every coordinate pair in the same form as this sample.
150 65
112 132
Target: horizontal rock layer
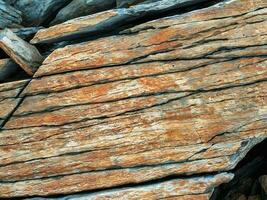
9 98
154 107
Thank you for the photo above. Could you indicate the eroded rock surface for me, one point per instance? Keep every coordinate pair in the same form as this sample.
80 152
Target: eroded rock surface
158 110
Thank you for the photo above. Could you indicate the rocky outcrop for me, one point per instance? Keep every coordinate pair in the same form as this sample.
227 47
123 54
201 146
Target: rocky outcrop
9 16
24 54
106 21
7 69
163 109
78 8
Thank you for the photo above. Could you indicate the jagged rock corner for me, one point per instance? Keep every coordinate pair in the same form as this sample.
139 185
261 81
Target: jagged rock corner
132 99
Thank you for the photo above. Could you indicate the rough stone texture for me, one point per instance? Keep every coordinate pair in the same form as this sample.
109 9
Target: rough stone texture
157 106
9 97
198 188
35 12
78 8
24 54
106 21
26 33
7 69
128 3
9 16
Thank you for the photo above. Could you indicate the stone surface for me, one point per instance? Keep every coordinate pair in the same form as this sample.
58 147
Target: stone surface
36 12
9 16
26 33
106 21
212 36
78 8
128 3
9 98
24 54
198 188
7 69
157 111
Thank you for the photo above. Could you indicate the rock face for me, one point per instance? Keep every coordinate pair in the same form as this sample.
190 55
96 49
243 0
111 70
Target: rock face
78 8
7 69
106 21
24 54
35 12
161 110
9 16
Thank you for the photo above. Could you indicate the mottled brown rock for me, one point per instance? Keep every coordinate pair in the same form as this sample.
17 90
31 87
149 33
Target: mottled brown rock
9 97
263 182
180 189
107 21
176 97
24 54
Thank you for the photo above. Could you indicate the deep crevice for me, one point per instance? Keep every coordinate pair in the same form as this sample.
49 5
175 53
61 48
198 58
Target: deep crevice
247 173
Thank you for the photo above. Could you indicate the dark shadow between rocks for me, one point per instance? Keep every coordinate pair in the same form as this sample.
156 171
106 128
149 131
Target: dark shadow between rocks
246 184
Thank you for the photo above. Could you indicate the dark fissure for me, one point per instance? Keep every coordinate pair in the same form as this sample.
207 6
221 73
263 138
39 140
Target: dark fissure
248 183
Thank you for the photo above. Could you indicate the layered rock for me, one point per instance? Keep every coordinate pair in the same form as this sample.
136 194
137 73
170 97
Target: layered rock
156 111
78 8
7 69
9 99
106 21
24 54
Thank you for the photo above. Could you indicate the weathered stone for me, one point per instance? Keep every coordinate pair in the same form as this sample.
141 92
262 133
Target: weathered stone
9 16
201 39
36 12
153 108
7 69
197 188
128 3
105 21
24 54
78 8
9 97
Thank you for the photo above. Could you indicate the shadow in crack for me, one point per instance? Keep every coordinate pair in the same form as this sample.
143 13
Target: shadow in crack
248 182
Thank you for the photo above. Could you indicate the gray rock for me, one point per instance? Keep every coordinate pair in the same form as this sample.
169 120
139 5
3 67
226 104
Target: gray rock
36 12
9 16
263 182
128 3
78 8
25 55
7 69
106 21
26 33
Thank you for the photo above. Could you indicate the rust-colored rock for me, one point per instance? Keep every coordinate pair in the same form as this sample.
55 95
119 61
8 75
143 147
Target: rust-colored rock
9 98
176 97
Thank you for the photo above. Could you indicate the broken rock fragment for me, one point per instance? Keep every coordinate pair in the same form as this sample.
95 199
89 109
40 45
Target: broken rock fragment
24 54
78 8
